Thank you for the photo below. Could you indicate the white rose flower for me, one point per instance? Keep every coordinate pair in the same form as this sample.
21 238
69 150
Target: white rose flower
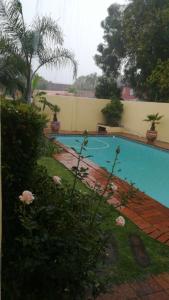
26 197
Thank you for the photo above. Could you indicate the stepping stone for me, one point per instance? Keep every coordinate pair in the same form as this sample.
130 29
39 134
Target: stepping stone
139 251
111 252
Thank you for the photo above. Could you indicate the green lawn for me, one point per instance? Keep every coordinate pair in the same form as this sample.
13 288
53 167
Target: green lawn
125 268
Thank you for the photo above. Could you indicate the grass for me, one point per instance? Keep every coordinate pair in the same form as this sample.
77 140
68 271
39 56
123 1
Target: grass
125 268
55 168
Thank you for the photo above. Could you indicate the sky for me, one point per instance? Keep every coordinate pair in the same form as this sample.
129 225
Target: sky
80 22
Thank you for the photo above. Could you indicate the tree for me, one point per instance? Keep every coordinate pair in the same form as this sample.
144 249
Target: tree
159 80
86 83
107 88
112 50
135 38
43 41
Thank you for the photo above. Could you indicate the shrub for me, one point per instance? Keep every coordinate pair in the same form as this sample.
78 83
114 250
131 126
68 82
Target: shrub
22 129
112 112
58 243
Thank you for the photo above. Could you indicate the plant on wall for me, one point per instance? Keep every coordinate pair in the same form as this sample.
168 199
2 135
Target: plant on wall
113 112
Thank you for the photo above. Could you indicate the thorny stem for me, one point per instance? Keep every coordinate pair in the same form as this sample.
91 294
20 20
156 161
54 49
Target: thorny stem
111 173
77 168
107 184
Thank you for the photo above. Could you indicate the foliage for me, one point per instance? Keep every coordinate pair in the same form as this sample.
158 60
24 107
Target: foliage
22 128
112 112
111 51
159 81
48 148
32 42
53 107
86 83
35 81
59 237
12 68
154 119
107 88
135 38
55 168
72 90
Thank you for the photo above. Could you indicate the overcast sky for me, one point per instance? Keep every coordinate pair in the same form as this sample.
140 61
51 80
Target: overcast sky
80 22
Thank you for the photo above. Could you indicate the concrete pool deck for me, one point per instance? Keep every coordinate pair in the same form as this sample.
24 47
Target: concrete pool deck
148 214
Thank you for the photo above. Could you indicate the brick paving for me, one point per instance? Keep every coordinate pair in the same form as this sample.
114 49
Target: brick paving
153 288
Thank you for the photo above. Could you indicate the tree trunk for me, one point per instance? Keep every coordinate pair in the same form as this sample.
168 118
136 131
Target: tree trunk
29 87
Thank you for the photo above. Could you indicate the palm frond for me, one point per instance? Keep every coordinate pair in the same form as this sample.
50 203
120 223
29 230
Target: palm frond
35 81
12 20
8 46
59 57
47 28
153 117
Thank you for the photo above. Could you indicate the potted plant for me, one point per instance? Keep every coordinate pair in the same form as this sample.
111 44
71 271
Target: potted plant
152 133
55 124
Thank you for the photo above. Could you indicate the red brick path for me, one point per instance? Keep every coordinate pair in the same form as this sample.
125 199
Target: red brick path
153 288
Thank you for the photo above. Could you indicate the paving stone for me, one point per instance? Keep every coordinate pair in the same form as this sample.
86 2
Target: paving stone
156 234
164 238
157 296
162 281
146 287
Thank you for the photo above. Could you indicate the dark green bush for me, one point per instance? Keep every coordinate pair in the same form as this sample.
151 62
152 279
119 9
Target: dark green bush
22 129
112 112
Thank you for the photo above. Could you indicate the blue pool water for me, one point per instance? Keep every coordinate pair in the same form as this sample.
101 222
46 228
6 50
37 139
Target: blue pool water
143 165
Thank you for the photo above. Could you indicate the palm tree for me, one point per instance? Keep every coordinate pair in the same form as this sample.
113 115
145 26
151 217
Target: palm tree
12 70
154 119
41 42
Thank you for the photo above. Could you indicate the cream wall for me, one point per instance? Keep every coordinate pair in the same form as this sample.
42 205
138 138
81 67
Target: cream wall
78 113
136 111
84 113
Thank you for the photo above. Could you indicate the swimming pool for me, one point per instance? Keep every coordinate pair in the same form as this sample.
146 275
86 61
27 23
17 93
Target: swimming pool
146 166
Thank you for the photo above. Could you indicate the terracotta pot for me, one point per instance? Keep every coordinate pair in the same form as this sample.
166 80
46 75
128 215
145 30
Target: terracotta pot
151 135
55 126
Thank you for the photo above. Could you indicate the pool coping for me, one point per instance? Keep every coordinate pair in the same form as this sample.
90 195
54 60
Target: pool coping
149 215
158 147
132 137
